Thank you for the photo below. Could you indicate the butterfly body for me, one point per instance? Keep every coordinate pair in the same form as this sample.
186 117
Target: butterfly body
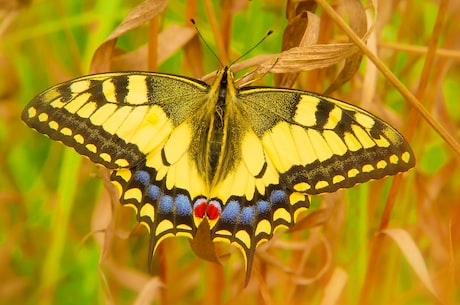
243 160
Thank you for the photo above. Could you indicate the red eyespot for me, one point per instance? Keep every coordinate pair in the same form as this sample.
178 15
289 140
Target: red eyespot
213 210
199 208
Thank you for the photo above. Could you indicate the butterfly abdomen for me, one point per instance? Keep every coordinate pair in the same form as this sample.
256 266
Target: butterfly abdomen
215 141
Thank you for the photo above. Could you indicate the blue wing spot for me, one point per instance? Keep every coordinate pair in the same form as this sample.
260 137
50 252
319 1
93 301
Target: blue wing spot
143 177
183 205
166 204
277 196
231 211
263 206
247 215
153 192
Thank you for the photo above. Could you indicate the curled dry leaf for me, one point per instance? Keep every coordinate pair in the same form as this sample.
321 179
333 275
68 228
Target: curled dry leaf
263 289
170 40
150 291
300 279
138 16
301 59
310 56
313 219
295 8
102 228
274 261
335 287
413 256
305 247
133 279
302 31
358 22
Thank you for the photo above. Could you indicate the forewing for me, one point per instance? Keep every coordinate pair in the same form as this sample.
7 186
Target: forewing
319 144
115 119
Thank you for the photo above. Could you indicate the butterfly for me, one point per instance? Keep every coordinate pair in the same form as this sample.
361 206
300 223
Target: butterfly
240 161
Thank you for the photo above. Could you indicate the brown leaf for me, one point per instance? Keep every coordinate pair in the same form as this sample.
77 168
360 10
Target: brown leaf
297 32
358 22
102 226
150 292
335 287
193 57
302 31
138 16
299 59
170 40
202 244
413 256
294 8
131 278
313 219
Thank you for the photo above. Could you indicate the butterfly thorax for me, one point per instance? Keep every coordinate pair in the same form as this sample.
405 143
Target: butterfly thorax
216 137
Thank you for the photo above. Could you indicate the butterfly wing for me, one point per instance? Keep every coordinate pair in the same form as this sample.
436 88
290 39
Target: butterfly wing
293 144
115 119
319 144
136 124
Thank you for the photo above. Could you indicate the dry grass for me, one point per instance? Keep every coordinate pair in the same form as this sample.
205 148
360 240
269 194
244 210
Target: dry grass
64 240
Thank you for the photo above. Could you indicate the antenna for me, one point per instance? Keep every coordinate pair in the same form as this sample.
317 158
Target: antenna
215 55
204 40
255 46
